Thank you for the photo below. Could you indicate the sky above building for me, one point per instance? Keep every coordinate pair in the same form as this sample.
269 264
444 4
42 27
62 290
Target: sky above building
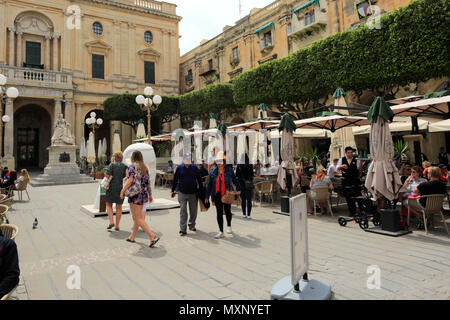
205 19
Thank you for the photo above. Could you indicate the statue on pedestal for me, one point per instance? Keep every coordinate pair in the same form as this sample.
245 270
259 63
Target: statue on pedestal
63 133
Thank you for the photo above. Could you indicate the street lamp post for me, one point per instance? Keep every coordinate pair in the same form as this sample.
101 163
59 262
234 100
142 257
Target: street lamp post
149 104
11 93
93 124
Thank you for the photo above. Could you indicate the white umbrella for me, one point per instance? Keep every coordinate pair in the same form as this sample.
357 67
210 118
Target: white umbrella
141 130
287 152
344 137
104 146
100 148
117 146
382 178
83 151
91 149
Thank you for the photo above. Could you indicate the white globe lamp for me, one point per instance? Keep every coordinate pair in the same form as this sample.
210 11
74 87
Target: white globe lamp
140 99
148 91
12 93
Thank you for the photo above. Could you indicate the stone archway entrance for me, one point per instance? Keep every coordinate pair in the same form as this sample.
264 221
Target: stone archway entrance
32 135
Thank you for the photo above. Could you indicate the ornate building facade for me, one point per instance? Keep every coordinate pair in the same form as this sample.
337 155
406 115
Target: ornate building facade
69 56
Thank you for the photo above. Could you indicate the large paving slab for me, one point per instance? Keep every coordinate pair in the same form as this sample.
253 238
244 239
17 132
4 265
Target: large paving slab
244 265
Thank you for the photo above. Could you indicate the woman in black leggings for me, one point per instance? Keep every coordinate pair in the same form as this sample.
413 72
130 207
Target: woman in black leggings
221 179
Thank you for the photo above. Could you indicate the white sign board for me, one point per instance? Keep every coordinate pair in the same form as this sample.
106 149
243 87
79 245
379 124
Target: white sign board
299 238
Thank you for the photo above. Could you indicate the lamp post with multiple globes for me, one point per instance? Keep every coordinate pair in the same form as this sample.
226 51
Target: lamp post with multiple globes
93 124
149 104
11 93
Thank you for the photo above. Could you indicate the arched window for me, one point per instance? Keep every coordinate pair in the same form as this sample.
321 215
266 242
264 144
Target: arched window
97 28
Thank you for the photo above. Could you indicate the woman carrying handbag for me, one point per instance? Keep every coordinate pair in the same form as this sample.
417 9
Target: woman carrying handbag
221 180
113 184
137 189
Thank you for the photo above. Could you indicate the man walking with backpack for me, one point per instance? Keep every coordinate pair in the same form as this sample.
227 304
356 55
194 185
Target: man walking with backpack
187 178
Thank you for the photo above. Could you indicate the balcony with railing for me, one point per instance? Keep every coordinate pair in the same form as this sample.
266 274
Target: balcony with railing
305 23
37 77
152 5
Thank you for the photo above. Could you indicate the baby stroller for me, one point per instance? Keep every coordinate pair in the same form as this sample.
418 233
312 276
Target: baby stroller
367 209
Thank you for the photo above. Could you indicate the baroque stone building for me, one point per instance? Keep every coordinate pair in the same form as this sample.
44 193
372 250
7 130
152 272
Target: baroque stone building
68 56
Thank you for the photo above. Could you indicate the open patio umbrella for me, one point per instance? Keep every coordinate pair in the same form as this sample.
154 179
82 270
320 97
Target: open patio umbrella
91 149
382 178
341 138
117 146
287 127
331 123
141 129
423 107
255 125
83 151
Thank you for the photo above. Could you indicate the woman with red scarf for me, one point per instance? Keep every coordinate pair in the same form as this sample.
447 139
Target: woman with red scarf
221 179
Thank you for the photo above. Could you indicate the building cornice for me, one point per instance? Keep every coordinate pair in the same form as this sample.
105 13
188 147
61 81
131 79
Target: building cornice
122 5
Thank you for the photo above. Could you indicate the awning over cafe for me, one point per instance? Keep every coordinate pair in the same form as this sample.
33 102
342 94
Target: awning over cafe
440 126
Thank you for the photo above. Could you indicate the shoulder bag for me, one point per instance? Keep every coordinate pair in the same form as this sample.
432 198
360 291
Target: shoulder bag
106 181
136 187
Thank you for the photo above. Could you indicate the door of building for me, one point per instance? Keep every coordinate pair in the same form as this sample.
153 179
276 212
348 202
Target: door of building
28 147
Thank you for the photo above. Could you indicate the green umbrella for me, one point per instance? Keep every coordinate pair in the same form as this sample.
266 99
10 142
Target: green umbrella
262 106
222 129
287 123
338 93
380 108
437 94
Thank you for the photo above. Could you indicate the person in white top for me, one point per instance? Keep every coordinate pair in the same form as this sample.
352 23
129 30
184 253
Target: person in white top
333 169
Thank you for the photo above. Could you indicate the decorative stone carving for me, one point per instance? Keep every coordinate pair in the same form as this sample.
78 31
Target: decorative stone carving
63 133
33 24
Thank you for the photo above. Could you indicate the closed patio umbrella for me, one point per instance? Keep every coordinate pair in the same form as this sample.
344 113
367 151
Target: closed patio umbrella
100 148
83 151
382 178
343 137
140 133
91 149
287 126
117 146
104 146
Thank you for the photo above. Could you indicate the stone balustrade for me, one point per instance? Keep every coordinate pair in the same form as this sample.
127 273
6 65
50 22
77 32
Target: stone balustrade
28 76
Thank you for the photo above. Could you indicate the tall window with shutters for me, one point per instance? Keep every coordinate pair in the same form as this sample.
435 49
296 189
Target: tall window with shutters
98 66
33 54
149 69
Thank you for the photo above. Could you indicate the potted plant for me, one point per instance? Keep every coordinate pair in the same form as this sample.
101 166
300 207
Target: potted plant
101 168
400 149
314 158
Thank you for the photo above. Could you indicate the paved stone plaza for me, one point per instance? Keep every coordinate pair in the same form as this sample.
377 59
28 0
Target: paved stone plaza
244 265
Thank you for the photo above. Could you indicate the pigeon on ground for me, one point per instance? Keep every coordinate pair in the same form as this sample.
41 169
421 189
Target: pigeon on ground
35 223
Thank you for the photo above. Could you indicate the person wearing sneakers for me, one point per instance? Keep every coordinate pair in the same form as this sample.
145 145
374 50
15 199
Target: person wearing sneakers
221 179
188 180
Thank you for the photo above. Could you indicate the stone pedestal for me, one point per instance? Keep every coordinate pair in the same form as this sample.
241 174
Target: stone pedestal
61 169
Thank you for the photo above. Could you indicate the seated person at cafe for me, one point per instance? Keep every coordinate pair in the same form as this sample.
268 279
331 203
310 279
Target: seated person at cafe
444 173
169 167
405 172
425 166
11 181
258 167
9 265
318 180
409 186
433 186
5 173
333 170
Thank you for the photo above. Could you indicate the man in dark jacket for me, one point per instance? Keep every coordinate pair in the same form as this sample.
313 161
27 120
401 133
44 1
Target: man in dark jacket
9 265
187 178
